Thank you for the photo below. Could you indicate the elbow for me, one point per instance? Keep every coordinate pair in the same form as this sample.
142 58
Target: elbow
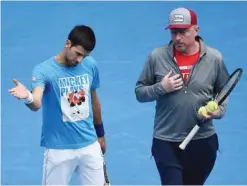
35 109
139 97
142 94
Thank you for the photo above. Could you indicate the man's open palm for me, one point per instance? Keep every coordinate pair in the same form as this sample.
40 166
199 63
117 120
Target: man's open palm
19 91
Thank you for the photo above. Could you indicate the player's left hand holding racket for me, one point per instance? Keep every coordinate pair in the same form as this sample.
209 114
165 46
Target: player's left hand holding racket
101 140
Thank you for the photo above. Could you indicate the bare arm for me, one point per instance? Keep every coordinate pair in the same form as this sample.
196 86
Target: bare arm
97 119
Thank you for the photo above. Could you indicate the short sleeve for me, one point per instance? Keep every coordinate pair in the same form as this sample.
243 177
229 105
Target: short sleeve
96 79
38 78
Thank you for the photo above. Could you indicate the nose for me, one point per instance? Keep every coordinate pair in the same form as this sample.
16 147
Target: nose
177 36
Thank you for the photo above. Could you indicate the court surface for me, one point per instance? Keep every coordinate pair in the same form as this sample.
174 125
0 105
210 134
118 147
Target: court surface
126 32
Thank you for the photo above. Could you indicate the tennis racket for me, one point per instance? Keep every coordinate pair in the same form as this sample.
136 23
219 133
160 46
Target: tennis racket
220 98
107 182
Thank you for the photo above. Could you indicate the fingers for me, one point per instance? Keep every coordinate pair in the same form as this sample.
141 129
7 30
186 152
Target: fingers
169 74
209 115
172 82
204 117
103 149
178 84
15 94
215 113
176 77
12 90
178 87
16 82
178 81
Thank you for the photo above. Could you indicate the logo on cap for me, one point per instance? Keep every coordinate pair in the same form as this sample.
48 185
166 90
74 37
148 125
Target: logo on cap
178 18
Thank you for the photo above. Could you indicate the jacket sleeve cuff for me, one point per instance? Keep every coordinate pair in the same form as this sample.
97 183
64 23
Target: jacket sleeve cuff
159 90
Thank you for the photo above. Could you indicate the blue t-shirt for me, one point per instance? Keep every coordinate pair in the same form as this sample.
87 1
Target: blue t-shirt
66 103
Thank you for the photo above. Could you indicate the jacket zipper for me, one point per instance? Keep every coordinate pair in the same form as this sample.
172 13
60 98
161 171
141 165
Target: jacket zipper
192 70
186 84
177 68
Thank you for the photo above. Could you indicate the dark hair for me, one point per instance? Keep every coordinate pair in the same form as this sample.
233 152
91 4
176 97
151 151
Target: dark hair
84 36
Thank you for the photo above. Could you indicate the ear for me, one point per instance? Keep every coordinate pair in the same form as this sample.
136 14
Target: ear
68 44
197 28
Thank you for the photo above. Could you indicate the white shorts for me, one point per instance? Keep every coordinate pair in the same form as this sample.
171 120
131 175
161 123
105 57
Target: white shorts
87 164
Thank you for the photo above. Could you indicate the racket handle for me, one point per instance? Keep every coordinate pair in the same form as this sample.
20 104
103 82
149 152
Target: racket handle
107 182
188 138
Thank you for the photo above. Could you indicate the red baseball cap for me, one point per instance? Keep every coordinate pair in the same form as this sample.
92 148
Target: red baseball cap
182 18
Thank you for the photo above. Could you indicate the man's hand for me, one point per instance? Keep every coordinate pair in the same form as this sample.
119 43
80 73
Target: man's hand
102 144
214 115
171 83
19 91
210 115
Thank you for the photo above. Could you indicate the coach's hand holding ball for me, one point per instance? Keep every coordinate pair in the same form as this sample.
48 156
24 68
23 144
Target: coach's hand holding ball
209 111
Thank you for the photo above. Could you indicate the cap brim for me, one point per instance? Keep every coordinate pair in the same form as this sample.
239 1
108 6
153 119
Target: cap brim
178 26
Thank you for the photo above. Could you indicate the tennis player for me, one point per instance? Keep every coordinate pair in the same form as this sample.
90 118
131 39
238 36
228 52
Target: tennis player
182 76
72 132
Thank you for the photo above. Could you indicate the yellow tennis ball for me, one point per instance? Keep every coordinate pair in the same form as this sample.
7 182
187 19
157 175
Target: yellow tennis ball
212 106
203 111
